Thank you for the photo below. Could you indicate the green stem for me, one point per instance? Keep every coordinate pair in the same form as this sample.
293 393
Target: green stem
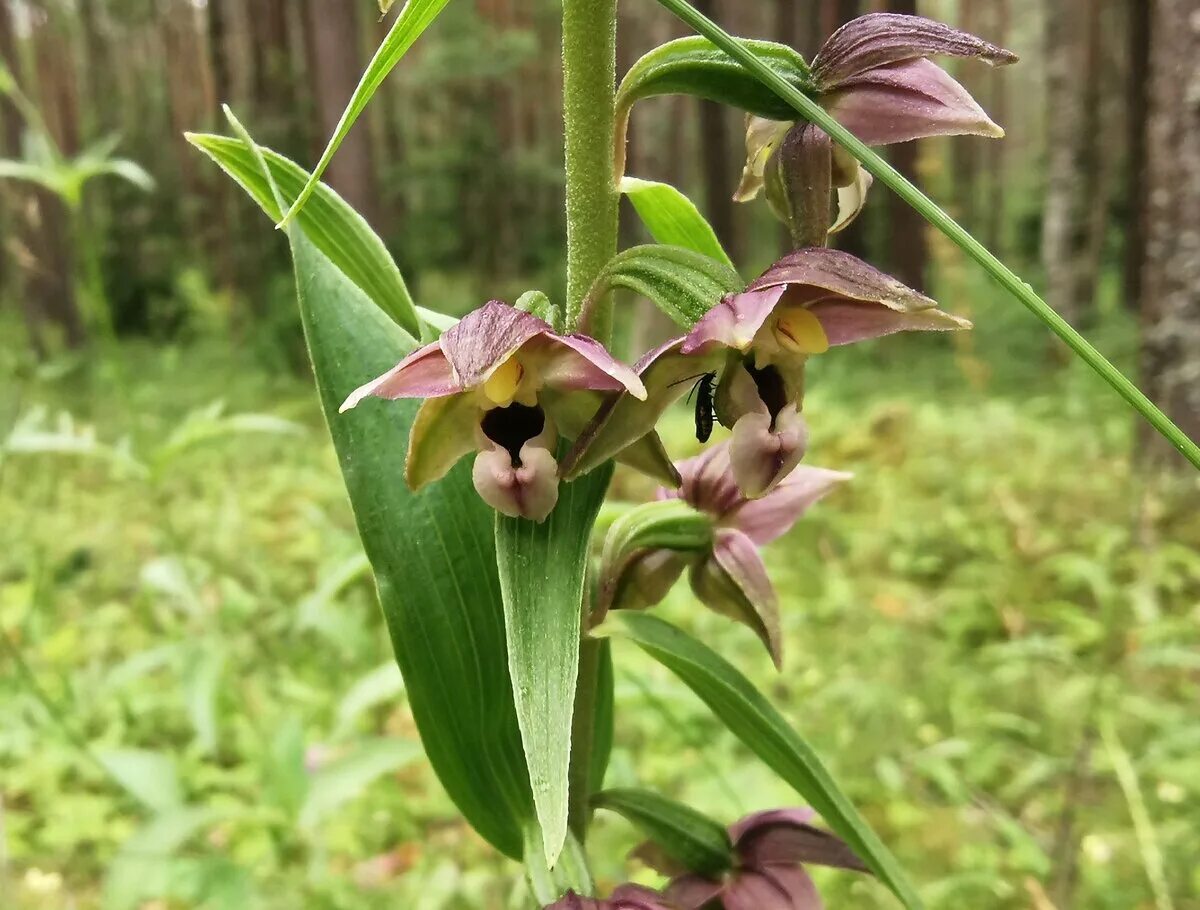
589 84
811 111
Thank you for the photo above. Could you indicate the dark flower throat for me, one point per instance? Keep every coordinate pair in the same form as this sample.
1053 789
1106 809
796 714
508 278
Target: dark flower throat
512 427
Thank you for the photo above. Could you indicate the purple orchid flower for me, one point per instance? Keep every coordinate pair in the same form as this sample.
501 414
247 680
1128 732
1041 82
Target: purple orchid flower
770 850
874 76
503 383
731 579
626 897
759 341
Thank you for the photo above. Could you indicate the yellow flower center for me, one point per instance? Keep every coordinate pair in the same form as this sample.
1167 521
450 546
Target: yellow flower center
501 387
799 331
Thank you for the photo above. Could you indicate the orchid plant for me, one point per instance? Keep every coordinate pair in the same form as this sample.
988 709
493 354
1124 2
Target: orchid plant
502 599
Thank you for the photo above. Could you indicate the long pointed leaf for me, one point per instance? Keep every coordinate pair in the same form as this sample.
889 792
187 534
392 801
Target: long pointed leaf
414 18
433 552
542 570
750 717
338 231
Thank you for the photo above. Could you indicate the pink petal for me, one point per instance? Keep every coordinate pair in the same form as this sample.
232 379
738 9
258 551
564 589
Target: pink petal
425 373
735 584
572 901
770 517
761 456
777 888
849 322
691 892
578 362
485 338
817 272
526 490
785 837
733 322
708 483
882 38
914 99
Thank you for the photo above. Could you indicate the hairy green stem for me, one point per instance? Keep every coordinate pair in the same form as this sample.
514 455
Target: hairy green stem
811 111
589 87
589 84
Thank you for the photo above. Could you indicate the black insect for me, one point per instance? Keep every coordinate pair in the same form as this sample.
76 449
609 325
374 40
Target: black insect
705 412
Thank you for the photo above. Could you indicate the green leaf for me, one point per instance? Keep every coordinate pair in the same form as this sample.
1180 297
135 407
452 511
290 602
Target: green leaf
605 716
383 684
149 777
433 552
142 870
348 776
746 713
414 18
683 284
673 219
542 569
696 66
338 231
685 835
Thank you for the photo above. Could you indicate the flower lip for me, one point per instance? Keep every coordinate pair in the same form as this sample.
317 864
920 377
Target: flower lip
771 388
513 426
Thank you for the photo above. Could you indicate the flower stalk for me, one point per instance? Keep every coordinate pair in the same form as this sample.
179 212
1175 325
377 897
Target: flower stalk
589 88
811 111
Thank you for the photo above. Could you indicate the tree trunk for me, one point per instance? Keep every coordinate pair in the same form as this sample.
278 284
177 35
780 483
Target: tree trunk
1137 102
1170 300
1074 64
716 158
908 250
335 65
997 151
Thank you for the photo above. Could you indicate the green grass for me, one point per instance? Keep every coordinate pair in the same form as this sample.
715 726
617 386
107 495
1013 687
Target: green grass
997 581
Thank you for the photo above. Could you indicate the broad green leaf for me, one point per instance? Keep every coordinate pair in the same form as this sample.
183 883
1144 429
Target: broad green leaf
149 777
542 569
748 714
433 552
687 836
683 284
673 219
348 776
414 18
338 231
695 66
434 559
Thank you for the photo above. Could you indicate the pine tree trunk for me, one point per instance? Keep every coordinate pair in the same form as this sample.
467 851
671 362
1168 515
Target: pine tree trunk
1137 102
335 65
1070 249
1170 300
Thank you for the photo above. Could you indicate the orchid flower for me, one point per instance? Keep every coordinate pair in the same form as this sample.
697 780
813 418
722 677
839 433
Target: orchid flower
759 341
769 852
874 76
626 897
501 382
731 578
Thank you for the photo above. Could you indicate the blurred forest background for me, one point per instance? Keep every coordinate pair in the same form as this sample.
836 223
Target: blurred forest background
993 633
